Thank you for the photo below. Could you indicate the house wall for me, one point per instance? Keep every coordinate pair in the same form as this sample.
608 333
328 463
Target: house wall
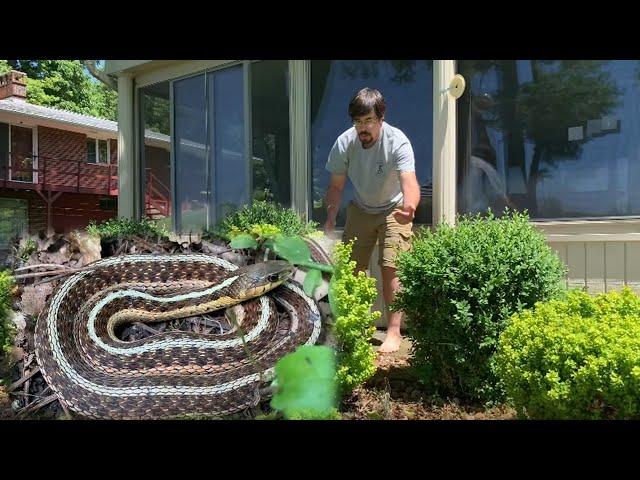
63 157
75 210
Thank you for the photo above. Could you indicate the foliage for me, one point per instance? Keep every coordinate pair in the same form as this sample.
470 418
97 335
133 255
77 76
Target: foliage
121 227
351 297
7 330
260 213
65 84
27 250
460 285
575 358
306 384
291 248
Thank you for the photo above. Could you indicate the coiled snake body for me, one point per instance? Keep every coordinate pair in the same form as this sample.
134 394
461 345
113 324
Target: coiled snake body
175 373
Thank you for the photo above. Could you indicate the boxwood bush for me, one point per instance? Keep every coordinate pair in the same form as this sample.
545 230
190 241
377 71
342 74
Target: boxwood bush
244 219
577 358
460 285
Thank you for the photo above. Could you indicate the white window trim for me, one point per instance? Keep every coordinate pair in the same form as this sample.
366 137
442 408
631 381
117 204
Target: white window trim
96 140
34 151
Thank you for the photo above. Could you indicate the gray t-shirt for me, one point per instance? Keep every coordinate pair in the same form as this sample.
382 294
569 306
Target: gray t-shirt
375 171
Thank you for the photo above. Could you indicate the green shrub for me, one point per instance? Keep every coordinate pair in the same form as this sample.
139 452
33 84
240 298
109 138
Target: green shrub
29 247
351 300
7 330
245 219
459 287
122 227
576 358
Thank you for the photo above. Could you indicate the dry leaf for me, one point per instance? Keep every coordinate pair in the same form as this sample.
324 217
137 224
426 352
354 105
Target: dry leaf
34 298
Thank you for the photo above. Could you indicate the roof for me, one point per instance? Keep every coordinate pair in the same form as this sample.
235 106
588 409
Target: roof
21 107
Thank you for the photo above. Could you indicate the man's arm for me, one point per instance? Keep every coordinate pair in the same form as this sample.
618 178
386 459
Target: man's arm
411 193
333 197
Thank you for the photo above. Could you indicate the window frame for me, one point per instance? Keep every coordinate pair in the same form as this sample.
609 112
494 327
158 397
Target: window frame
97 141
34 151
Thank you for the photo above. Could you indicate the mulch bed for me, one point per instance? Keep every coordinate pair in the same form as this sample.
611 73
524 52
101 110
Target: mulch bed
393 393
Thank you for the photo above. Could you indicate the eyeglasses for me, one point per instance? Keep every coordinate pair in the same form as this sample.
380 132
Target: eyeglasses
364 123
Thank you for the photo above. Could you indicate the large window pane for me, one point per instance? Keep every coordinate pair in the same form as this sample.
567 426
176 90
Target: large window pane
555 137
229 182
22 165
190 153
156 152
270 131
91 150
407 86
103 151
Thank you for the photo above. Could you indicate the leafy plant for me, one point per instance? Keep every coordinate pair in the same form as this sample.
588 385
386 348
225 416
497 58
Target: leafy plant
291 248
575 358
7 330
27 250
460 285
305 384
351 298
287 221
122 227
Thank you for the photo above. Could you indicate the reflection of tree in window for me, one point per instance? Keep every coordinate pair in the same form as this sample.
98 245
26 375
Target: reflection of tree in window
270 131
156 108
560 94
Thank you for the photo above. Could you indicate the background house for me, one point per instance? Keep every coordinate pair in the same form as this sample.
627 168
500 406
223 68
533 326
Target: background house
59 169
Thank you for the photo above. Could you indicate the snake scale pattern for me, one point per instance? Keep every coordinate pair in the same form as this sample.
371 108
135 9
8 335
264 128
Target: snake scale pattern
176 373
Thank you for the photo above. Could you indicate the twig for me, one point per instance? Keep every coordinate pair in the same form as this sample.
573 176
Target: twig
54 272
146 327
38 405
150 246
47 280
66 410
43 265
122 247
209 322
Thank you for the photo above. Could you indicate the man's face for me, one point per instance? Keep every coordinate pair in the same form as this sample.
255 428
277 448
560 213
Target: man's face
368 127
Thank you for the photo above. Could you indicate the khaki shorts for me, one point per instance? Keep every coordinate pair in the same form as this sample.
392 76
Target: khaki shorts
369 228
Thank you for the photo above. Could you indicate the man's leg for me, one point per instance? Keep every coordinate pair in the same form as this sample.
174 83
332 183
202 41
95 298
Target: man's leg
390 286
361 226
394 238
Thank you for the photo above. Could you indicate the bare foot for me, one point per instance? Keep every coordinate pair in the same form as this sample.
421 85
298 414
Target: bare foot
391 343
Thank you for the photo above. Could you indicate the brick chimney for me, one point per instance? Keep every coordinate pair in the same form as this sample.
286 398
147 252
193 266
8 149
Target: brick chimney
13 84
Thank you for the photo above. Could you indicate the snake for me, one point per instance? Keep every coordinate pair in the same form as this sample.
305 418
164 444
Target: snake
175 373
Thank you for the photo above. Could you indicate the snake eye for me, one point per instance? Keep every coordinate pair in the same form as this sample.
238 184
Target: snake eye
273 277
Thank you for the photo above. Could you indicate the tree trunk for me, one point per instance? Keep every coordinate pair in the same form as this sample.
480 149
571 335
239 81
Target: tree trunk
532 181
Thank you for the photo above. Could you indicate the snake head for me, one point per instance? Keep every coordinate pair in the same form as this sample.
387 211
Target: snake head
254 280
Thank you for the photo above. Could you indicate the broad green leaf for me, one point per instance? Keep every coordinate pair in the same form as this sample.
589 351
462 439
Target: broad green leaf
243 241
312 280
306 384
294 249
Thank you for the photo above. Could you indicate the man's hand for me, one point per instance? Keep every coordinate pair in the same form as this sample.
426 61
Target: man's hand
332 200
404 216
411 193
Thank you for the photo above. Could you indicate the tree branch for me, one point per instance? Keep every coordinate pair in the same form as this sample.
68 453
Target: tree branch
99 74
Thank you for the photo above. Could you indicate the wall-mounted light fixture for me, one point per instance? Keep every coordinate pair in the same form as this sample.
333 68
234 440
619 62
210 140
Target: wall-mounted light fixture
456 86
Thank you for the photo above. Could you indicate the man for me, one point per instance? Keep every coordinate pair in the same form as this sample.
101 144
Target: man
379 161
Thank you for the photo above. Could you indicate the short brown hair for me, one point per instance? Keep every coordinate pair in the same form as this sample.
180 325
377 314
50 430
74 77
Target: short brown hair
365 101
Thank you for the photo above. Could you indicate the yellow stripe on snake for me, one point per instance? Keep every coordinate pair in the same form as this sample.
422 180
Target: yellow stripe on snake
97 375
